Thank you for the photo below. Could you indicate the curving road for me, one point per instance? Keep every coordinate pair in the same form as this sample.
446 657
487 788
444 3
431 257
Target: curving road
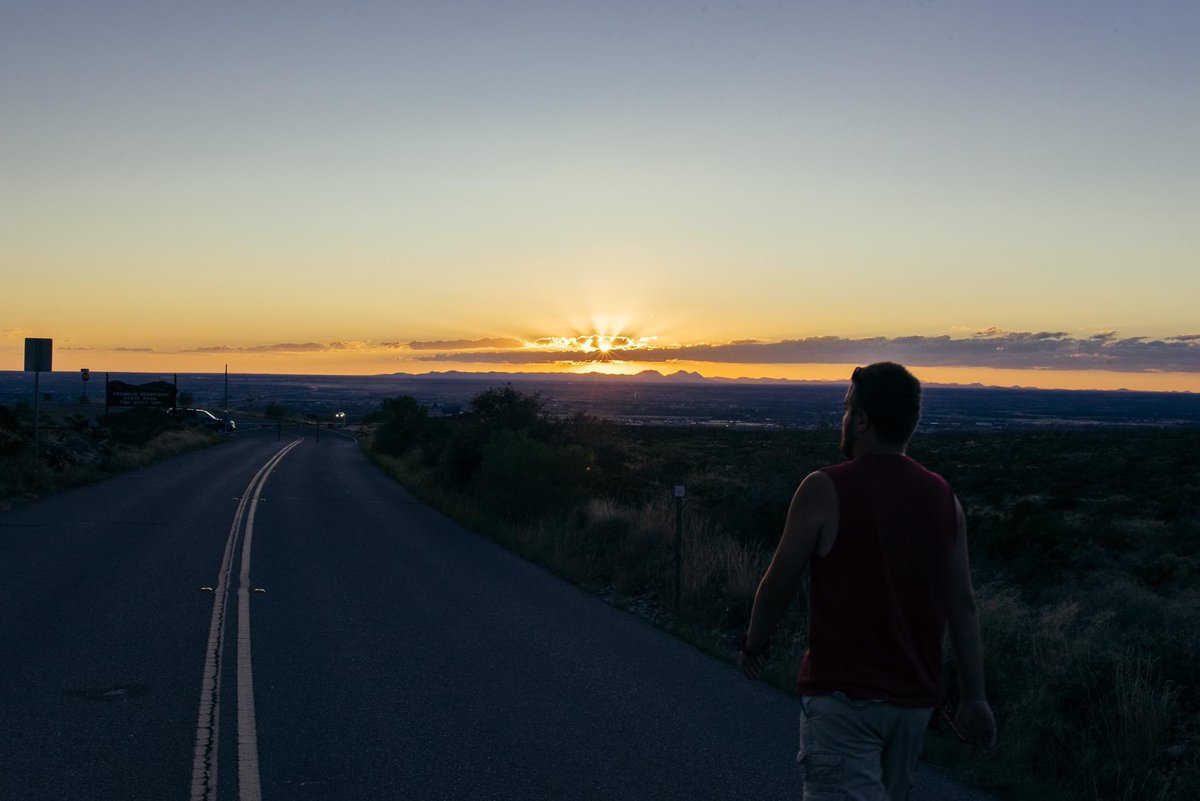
349 643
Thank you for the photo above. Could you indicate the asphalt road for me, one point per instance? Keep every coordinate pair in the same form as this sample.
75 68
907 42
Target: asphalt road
362 647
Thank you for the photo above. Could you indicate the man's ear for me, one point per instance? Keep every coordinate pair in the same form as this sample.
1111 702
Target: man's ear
862 423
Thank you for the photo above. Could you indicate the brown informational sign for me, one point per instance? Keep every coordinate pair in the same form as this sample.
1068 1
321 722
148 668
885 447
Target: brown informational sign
39 354
156 393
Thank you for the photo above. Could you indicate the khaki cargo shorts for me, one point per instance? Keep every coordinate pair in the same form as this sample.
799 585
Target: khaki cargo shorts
858 750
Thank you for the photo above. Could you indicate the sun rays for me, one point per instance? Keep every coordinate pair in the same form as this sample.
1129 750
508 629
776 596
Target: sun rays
593 347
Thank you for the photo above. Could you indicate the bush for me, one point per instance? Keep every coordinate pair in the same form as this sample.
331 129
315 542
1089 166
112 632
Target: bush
135 426
523 477
402 424
459 449
276 411
507 409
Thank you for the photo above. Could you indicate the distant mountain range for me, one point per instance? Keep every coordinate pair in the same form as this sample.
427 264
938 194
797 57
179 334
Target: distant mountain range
680 377
645 376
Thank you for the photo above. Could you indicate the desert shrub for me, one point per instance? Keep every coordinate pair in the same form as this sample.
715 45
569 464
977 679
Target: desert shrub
133 439
402 423
12 417
626 551
168 443
22 477
78 422
523 476
460 450
1081 712
134 427
605 522
461 456
504 419
276 411
504 408
13 440
720 574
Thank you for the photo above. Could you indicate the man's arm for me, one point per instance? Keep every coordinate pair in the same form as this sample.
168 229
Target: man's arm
809 513
974 717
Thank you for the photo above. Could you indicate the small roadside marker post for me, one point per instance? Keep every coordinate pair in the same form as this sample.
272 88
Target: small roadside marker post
679 491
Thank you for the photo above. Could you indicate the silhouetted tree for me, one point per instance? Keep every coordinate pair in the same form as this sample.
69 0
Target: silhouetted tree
402 424
506 408
496 409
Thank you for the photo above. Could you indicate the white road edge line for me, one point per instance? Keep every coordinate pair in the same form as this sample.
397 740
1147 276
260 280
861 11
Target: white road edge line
208 719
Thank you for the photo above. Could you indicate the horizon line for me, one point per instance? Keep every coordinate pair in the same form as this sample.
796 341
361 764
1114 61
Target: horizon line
678 376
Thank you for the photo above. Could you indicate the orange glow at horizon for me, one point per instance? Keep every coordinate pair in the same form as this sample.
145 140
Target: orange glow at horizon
581 353
985 376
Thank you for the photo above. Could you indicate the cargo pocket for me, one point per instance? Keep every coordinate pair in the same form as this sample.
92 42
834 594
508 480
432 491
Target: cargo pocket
822 777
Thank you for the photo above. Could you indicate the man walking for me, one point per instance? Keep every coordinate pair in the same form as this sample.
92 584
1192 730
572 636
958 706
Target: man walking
885 540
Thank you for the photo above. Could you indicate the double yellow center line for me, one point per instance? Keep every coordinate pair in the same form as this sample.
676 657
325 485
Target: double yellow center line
208 721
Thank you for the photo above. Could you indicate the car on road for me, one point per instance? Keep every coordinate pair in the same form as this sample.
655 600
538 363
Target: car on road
204 418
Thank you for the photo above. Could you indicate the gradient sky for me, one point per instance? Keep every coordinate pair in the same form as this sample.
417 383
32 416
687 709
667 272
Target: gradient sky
996 191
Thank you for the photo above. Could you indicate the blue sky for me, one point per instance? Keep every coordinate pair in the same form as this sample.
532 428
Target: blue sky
221 175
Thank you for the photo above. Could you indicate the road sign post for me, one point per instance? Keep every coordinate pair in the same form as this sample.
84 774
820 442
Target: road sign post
39 357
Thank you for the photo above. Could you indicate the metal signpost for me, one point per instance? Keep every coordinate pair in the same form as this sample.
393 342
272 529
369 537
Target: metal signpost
39 355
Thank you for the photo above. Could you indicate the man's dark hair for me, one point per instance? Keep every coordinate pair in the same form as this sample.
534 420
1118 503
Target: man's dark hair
891 398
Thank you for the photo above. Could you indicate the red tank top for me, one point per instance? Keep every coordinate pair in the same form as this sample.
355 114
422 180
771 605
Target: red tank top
878 598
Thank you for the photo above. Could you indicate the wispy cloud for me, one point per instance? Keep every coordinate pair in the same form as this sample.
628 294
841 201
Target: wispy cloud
281 347
14 333
1048 350
467 344
81 349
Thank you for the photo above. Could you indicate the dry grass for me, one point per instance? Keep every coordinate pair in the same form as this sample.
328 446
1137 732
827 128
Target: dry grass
166 444
1080 714
22 478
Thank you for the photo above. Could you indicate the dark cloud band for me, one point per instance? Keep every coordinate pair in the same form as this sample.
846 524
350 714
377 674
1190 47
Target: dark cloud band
1046 350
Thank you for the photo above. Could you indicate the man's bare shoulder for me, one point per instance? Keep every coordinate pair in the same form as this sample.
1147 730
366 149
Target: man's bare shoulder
816 503
817 490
